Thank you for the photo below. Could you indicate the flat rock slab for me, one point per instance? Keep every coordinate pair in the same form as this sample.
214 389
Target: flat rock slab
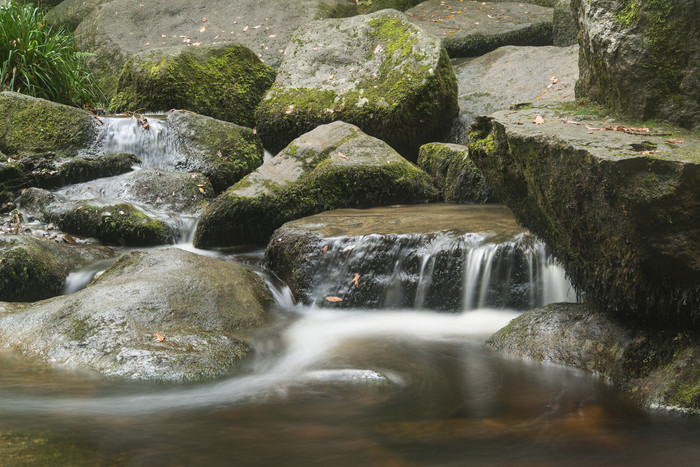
469 29
619 205
514 75
660 368
165 315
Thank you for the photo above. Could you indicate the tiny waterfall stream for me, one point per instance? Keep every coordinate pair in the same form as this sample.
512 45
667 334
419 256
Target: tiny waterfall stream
401 384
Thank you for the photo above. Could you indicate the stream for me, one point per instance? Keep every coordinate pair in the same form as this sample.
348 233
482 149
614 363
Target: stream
388 386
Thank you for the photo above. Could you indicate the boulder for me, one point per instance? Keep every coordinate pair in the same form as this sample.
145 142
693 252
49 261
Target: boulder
510 76
224 152
36 268
114 30
619 205
346 8
29 125
641 59
378 71
440 257
565 28
165 315
660 368
454 173
469 29
116 224
334 166
225 82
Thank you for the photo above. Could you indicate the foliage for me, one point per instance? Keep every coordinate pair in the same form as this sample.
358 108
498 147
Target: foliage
42 60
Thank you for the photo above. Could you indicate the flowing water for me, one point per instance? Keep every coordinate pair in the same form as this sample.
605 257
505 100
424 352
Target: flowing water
388 386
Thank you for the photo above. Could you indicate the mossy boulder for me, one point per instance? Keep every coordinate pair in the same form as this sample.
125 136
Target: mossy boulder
378 71
619 206
222 151
225 82
660 368
34 269
30 125
166 315
641 58
454 173
346 8
115 224
334 166
471 29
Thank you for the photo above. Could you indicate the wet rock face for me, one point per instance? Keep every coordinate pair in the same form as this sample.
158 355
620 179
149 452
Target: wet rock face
33 125
334 166
165 315
619 209
660 368
469 29
439 257
224 82
641 58
34 269
379 72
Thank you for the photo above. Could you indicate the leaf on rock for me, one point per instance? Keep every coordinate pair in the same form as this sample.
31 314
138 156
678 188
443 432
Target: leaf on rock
675 141
333 299
343 156
325 249
159 337
538 120
356 280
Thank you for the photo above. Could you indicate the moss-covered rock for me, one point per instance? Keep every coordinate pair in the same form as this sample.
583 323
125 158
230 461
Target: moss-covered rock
454 173
469 30
225 82
378 71
116 224
619 206
222 151
166 315
641 57
30 125
333 166
34 269
659 367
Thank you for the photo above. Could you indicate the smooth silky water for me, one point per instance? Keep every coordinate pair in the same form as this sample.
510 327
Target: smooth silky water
400 387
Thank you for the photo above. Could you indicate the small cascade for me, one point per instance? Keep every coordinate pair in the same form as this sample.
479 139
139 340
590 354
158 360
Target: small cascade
155 146
438 272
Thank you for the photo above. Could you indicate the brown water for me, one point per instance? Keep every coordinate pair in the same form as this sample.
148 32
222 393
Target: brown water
447 402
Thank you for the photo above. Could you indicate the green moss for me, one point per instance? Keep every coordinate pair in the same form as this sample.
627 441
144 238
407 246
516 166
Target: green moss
79 328
120 224
628 15
28 273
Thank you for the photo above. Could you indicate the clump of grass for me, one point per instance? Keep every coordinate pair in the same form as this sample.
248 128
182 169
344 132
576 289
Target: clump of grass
41 60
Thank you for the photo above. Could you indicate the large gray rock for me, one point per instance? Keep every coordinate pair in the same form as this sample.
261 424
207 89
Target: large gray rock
225 82
379 72
514 75
619 206
334 166
114 30
454 173
33 125
641 59
202 309
36 268
660 368
413 257
469 29
564 24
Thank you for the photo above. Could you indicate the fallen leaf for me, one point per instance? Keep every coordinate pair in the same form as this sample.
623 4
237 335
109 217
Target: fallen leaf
159 337
554 79
218 153
245 29
325 249
348 248
538 120
356 280
648 153
204 20
202 28
202 190
571 122
68 239
675 141
343 156
333 299
164 36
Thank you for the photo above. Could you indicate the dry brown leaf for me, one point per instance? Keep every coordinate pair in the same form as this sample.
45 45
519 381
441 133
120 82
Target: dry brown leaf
325 249
202 190
202 28
538 120
218 153
356 280
204 20
554 80
342 156
333 299
159 337
675 141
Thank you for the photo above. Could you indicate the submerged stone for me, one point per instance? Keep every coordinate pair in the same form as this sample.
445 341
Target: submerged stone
454 173
30 125
618 205
35 268
379 72
468 29
225 82
164 315
660 368
439 257
641 58
333 166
